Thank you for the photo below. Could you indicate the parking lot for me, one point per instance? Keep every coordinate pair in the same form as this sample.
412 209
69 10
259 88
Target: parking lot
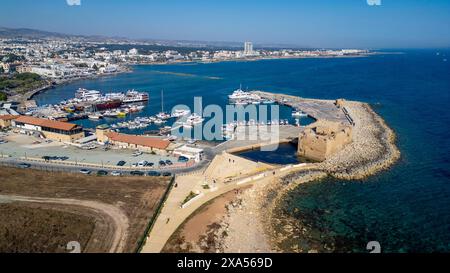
21 146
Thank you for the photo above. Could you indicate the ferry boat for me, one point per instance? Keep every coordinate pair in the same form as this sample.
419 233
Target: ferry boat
131 96
87 95
134 96
239 94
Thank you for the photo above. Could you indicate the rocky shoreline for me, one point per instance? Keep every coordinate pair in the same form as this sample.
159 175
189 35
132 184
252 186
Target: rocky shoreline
259 224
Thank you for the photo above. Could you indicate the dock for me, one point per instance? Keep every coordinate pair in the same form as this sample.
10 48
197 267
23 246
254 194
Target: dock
317 109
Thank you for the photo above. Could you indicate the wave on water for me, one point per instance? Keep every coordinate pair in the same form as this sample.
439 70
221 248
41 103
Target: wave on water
185 75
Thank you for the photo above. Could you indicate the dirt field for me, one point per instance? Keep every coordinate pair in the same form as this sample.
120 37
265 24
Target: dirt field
115 209
64 227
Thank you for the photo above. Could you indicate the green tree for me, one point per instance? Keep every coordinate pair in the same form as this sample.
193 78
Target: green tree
3 96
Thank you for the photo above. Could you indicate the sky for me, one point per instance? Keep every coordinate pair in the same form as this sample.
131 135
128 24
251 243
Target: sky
308 23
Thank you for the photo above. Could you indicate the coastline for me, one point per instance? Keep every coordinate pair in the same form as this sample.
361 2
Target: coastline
127 68
372 151
257 222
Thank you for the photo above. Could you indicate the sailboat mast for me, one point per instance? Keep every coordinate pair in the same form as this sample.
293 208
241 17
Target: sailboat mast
162 101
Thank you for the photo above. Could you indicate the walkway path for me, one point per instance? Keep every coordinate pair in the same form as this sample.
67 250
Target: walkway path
173 215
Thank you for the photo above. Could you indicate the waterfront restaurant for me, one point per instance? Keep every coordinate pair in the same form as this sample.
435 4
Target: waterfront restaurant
50 129
141 143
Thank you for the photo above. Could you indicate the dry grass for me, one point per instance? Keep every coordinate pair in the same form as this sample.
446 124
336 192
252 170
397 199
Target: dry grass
138 197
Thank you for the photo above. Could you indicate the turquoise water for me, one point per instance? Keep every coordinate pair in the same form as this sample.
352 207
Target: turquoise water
406 208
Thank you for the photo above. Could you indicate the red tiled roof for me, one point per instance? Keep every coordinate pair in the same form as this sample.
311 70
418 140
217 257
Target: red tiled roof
8 117
65 126
151 142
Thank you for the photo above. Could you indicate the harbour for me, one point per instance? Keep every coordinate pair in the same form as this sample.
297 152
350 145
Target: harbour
174 94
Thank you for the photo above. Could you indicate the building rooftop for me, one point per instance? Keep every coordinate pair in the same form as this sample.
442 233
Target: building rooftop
65 126
8 117
151 142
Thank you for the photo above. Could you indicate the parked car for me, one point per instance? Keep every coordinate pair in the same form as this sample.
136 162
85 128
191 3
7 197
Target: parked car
24 165
168 162
137 173
166 174
183 159
2 141
142 163
162 163
121 163
85 171
149 164
116 173
102 173
137 153
153 173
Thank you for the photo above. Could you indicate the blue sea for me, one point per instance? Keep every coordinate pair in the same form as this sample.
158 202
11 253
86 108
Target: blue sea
406 208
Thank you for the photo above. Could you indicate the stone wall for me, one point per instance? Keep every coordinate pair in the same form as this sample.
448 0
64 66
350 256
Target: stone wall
322 139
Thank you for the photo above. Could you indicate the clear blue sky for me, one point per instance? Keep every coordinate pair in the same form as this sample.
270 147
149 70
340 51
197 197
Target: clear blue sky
315 23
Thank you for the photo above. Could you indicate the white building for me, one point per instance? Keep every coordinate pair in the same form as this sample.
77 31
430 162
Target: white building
133 52
189 152
248 48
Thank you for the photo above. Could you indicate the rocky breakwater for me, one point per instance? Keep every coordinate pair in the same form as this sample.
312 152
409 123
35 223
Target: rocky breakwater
372 149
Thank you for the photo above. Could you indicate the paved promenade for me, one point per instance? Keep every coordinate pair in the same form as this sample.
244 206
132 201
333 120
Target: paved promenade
173 215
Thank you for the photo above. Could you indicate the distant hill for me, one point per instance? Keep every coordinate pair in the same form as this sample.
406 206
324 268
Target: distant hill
28 33
41 34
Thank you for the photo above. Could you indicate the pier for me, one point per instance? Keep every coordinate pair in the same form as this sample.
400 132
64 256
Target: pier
317 109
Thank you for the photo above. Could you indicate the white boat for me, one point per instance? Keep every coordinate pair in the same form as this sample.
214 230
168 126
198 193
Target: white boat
130 96
87 95
268 102
163 115
95 116
240 102
239 94
159 121
178 113
135 96
299 114
193 120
